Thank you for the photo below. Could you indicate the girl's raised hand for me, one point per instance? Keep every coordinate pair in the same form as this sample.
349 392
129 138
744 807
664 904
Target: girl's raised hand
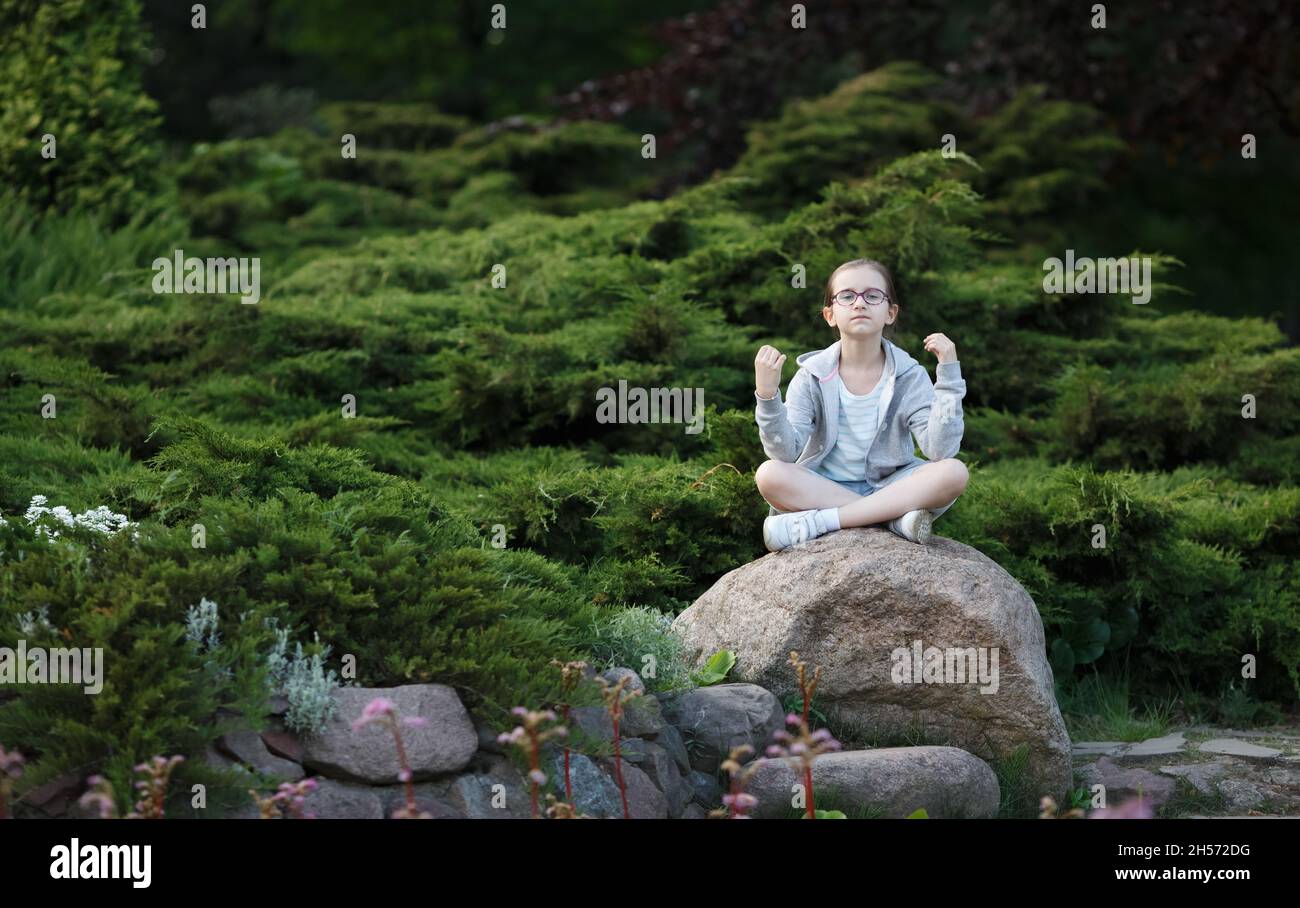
940 346
767 371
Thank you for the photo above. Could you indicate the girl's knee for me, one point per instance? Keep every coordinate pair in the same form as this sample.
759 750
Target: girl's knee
768 475
955 475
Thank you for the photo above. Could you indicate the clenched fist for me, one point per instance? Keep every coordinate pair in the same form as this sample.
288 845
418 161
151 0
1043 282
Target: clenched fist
767 371
940 346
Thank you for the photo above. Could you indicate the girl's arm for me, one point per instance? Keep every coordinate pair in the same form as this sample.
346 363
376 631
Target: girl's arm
937 424
784 428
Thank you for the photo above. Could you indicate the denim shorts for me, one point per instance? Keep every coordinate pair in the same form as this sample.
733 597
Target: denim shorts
863 487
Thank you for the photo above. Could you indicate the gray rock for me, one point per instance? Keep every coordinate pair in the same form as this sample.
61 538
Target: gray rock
656 762
589 724
642 716
670 739
1165 746
333 800
852 601
282 742
594 793
1098 748
695 812
614 675
430 797
644 800
247 746
715 719
1124 783
706 790
1239 794
1235 748
945 781
1201 775
446 743
499 793
487 740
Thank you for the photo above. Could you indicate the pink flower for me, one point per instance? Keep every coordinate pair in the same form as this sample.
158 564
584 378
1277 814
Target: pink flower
376 710
537 776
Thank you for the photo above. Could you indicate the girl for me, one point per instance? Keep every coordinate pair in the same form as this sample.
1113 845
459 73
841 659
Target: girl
841 447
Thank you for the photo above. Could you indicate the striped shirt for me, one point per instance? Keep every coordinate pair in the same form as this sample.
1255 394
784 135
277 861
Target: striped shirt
859 419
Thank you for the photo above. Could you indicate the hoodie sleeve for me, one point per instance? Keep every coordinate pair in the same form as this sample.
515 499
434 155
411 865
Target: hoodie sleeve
937 424
784 428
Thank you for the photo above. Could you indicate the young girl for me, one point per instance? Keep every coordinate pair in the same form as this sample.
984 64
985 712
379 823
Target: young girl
841 447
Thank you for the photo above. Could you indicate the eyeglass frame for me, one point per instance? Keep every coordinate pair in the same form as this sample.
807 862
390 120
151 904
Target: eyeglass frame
884 297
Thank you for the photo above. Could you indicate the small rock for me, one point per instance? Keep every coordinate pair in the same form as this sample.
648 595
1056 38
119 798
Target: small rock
723 716
445 743
670 739
283 743
247 746
1098 748
500 793
487 740
662 770
1235 748
1124 783
614 675
1238 794
590 722
1200 775
54 797
707 791
1158 747
594 793
642 716
333 800
430 797
644 800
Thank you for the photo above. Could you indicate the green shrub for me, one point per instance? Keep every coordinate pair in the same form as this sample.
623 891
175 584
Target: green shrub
71 69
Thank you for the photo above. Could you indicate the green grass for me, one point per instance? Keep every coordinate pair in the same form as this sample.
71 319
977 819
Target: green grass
1100 707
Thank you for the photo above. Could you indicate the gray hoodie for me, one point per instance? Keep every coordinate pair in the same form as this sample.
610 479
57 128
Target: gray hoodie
803 430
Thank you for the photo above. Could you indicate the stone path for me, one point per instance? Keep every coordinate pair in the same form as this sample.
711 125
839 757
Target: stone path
1200 771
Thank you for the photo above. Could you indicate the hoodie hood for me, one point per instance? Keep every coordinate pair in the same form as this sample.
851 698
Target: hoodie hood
825 364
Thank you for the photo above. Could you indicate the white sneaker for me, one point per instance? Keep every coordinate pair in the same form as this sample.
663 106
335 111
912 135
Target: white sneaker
780 531
914 526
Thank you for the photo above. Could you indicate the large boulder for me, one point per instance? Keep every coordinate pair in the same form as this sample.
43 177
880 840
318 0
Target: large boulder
862 603
891 782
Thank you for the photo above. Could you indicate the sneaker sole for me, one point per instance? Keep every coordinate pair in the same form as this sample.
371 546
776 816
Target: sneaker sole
924 524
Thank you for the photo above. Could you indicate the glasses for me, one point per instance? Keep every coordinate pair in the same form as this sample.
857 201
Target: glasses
871 297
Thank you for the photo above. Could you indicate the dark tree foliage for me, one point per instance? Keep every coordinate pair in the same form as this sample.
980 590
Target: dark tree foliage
1190 75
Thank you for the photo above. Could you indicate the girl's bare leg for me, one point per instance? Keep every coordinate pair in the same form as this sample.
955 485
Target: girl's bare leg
934 485
788 487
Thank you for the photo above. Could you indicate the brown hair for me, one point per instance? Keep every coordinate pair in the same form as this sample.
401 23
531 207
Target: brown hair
889 288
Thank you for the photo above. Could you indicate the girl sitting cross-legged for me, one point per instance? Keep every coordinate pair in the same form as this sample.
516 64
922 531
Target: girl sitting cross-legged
842 444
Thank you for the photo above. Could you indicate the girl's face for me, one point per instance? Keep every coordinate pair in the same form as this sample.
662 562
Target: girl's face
860 319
